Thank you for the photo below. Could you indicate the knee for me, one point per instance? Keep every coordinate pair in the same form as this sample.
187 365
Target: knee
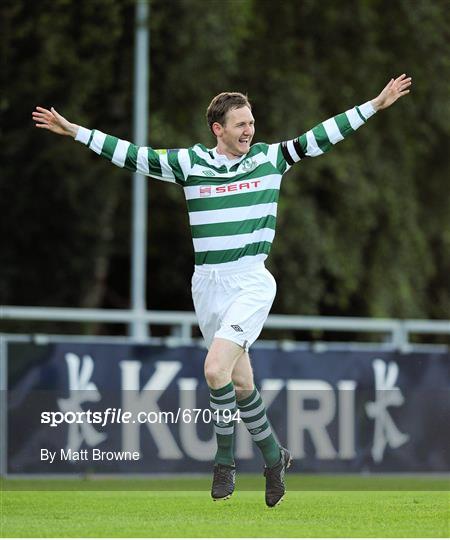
216 375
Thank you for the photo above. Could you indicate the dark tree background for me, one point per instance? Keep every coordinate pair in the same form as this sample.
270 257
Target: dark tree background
362 231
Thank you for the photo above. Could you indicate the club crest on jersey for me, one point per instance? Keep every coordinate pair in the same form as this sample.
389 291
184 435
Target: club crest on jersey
205 191
249 164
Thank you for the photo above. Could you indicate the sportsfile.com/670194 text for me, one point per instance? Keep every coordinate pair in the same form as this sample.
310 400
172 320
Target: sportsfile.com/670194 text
111 415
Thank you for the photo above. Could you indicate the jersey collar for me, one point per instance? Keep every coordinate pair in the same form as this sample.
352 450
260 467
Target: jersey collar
222 158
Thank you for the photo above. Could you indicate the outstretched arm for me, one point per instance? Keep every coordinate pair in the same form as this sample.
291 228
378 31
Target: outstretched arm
322 137
161 164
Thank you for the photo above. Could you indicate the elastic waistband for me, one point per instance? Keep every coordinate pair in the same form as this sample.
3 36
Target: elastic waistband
221 272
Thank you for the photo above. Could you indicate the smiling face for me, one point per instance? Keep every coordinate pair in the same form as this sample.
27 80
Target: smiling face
235 135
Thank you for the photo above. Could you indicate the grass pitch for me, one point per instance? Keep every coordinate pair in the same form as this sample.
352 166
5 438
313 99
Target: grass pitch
164 508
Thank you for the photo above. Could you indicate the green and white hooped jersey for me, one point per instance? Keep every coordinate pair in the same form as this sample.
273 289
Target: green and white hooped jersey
232 204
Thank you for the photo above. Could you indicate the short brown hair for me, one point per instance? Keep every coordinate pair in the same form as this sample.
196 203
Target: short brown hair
222 103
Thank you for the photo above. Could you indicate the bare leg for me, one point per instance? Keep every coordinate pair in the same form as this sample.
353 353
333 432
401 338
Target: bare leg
220 362
242 377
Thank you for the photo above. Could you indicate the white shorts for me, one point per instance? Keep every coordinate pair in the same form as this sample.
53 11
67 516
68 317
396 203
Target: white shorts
233 303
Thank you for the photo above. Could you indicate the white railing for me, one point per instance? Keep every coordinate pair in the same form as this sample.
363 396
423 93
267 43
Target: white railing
395 332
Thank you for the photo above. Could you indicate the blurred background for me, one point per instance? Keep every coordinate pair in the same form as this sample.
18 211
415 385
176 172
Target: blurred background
362 231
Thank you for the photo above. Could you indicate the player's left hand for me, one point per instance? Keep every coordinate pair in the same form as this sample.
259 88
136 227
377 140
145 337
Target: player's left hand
395 89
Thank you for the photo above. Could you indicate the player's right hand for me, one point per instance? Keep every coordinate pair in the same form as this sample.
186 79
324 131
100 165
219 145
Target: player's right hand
53 121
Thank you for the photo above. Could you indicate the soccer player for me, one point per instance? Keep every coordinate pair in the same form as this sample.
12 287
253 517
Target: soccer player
232 193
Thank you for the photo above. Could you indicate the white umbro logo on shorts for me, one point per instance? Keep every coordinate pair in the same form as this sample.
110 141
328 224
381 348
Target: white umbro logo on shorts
236 327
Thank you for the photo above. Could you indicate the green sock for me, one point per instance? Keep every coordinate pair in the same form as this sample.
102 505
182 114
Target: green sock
253 413
223 405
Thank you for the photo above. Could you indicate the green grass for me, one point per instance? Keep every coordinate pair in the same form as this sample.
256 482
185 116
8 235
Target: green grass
139 511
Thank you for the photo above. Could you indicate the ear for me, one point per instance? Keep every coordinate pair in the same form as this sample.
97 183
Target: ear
217 129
